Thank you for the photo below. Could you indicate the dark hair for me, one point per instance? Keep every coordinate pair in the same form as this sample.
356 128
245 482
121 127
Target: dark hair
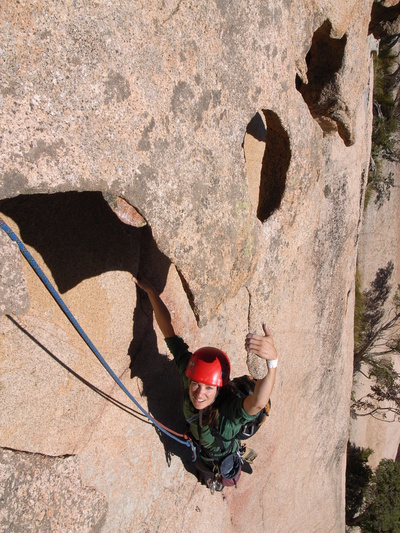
210 417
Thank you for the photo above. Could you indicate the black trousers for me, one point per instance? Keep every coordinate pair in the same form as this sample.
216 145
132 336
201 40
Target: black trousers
205 471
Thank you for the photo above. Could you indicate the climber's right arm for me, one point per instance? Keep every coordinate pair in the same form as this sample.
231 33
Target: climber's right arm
161 313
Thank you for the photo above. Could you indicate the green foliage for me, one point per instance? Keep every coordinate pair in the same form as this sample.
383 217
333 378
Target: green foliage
358 477
359 312
382 185
382 500
385 122
385 65
375 298
384 395
372 499
376 341
370 308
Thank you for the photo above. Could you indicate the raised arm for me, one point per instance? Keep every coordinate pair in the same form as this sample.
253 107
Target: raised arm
263 346
161 313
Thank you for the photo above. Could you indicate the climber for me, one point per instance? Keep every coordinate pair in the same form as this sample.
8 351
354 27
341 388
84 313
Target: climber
215 414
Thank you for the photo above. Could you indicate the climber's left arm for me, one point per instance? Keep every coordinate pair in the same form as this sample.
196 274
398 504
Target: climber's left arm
161 312
263 346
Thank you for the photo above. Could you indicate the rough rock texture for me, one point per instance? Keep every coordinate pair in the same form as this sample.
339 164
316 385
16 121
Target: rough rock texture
46 494
240 133
14 297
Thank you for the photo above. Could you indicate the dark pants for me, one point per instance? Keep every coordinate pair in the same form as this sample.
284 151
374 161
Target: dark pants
205 471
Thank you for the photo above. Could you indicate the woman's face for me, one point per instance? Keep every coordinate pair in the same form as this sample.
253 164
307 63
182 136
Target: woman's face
202 395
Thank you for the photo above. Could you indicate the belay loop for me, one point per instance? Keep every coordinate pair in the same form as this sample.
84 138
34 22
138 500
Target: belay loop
185 440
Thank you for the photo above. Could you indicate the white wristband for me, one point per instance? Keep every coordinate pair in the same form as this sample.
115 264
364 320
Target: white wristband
272 363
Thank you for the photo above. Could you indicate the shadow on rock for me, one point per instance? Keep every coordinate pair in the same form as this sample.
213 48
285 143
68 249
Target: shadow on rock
76 233
78 237
162 384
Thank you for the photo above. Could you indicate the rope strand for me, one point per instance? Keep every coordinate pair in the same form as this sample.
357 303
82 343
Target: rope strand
170 433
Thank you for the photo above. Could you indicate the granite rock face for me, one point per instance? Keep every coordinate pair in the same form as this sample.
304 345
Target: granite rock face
232 141
46 494
14 297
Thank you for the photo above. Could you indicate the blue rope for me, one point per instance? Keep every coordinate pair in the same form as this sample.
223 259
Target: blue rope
74 322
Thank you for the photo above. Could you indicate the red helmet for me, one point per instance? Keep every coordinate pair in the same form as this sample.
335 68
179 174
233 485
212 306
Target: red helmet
209 366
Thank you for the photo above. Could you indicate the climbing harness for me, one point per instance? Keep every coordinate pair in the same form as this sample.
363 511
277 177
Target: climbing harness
182 439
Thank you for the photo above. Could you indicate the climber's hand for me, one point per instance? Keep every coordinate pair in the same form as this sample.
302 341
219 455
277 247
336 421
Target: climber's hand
261 345
143 283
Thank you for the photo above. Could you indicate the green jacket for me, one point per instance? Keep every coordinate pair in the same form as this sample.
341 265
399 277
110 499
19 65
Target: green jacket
231 412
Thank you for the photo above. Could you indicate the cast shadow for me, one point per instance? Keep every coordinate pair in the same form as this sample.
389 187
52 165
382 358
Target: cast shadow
162 384
76 233
78 236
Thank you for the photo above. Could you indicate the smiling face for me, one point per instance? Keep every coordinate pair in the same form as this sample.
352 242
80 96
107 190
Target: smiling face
202 395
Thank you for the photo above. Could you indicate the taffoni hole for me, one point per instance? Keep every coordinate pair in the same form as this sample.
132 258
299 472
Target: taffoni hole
267 153
324 60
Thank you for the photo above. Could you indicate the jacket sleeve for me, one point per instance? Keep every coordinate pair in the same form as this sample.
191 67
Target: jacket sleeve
180 352
232 417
